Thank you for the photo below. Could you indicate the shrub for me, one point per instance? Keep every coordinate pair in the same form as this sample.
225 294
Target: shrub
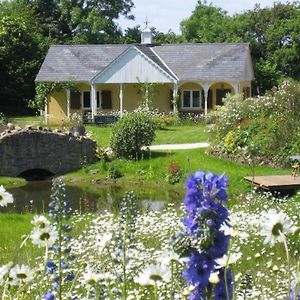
269 124
132 132
174 173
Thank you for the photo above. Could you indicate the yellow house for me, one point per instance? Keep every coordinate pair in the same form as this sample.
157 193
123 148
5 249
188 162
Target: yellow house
108 77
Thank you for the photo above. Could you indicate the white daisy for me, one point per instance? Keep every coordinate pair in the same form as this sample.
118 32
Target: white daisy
43 237
4 270
20 274
226 261
104 241
152 274
5 197
277 225
90 277
40 221
167 257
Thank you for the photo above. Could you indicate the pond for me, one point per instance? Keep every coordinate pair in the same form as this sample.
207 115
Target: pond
34 197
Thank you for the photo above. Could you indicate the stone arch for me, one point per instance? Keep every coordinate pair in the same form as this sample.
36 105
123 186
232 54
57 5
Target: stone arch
36 174
32 149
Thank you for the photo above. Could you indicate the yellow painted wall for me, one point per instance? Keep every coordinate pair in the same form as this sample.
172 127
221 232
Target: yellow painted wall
57 107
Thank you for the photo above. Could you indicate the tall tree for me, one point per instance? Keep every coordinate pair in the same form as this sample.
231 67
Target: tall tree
207 24
21 51
81 21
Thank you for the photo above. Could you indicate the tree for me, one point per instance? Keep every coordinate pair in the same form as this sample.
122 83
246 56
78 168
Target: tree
21 52
207 24
79 21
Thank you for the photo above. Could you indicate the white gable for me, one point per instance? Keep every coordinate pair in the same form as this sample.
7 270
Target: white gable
133 67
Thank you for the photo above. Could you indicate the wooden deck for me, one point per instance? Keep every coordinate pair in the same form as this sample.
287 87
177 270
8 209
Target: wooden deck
276 183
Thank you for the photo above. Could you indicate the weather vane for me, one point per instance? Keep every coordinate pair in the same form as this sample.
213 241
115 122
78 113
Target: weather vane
147 22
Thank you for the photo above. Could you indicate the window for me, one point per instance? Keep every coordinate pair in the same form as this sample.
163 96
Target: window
86 99
191 99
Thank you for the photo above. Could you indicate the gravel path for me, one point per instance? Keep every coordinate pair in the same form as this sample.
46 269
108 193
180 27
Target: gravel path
179 146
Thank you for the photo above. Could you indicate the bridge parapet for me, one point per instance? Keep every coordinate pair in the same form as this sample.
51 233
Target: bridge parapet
56 152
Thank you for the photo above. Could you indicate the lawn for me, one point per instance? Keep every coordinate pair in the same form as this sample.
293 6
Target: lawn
170 135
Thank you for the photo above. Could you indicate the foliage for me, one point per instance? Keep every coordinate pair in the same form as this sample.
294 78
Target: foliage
268 124
43 89
162 120
174 174
132 132
114 172
3 119
272 33
21 51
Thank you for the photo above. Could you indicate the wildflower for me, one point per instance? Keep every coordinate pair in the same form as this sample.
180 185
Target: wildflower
40 221
43 237
205 226
20 274
153 274
276 226
90 277
3 272
104 241
49 296
226 260
214 278
5 197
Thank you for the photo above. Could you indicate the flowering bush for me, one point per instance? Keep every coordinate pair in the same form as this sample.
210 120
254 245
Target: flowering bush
269 124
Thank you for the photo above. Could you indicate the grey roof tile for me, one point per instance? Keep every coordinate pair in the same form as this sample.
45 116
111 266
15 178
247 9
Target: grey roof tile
225 61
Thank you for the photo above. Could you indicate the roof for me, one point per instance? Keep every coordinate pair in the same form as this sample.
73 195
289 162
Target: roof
207 62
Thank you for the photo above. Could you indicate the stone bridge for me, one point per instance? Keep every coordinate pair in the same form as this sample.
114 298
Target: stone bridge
26 151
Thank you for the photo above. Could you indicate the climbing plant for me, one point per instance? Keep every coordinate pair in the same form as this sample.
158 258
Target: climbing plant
43 89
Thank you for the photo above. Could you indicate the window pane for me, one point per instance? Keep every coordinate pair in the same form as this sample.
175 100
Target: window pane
196 99
86 99
186 98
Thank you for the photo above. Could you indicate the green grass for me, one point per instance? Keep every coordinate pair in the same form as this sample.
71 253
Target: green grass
9 182
12 228
13 119
171 135
153 170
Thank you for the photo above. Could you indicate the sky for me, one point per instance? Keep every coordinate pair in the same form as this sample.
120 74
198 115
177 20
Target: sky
167 14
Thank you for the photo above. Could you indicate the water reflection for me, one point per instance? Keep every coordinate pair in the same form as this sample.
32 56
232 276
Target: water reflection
35 197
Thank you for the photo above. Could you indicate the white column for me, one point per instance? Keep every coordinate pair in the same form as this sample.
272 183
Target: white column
147 96
205 88
46 111
68 102
175 91
93 100
235 87
121 99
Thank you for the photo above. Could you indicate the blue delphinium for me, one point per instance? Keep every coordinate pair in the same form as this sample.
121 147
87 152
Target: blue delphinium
204 199
59 212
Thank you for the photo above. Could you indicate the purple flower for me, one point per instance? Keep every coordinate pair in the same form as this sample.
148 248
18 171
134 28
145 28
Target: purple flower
49 296
220 288
198 269
205 215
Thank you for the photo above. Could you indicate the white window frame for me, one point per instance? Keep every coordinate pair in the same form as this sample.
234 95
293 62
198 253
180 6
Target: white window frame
82 98
191 107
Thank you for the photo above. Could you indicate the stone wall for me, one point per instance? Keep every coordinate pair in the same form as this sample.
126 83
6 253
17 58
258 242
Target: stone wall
25 149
